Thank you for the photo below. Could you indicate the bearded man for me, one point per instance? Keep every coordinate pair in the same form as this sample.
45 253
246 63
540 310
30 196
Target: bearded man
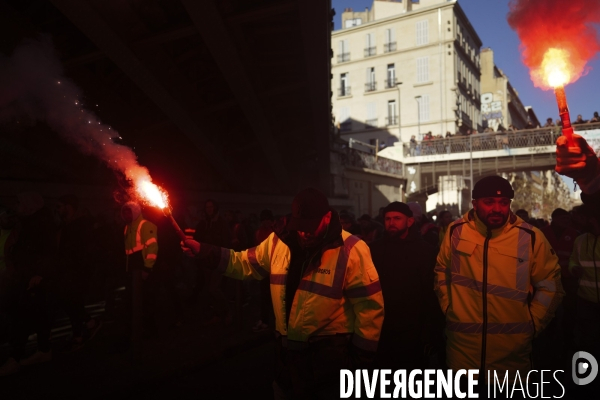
487 265
405 262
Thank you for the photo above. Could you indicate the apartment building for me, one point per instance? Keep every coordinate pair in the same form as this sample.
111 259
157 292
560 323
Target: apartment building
405 68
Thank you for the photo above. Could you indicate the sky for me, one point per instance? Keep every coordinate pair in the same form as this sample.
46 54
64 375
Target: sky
488 17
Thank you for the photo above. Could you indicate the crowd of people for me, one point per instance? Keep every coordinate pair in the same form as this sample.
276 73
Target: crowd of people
396 291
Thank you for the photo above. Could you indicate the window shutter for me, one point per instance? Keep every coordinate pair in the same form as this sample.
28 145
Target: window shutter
422 32
344 114
371 111
422 69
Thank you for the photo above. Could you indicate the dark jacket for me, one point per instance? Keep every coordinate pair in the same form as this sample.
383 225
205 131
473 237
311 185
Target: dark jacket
405 268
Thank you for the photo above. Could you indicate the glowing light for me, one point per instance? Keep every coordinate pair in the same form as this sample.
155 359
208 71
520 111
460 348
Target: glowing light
151 193
555 67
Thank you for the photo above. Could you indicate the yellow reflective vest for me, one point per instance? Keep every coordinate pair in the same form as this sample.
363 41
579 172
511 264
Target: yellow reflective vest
141 235
586 254
491 326
342 295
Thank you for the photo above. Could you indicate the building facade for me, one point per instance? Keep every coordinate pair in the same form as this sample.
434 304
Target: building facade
500 103
402 69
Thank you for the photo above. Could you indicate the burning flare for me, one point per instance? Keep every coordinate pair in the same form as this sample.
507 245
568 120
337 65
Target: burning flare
555 67
151 193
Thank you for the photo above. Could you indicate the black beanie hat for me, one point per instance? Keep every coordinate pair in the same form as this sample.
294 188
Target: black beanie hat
493 186
398 207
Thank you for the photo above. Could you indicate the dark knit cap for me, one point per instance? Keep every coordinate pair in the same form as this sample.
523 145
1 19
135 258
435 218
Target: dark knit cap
493 186
308 209
398 207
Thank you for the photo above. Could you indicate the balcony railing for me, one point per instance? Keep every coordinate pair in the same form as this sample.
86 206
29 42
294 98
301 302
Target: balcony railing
343 57
371 123
507 140
388 47
358 158
370 51
392 120
370 86
390 83
344 91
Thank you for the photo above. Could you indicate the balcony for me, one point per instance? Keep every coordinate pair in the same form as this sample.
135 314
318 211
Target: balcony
392 120
370 51
344 91
370 86
343 57
390 83
371 123
389 47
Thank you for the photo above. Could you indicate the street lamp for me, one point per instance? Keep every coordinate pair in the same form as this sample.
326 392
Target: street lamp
418 99
399 108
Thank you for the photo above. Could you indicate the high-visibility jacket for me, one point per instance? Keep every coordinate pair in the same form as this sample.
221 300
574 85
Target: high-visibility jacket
586 254
141 235
483 281
342 295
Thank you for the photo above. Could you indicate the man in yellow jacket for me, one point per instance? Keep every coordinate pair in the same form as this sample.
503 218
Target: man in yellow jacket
141 249
326 295
487 265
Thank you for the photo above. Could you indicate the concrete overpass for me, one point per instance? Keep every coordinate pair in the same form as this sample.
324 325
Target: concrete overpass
479 155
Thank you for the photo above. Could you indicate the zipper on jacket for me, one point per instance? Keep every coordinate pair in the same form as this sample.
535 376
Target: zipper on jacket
485 317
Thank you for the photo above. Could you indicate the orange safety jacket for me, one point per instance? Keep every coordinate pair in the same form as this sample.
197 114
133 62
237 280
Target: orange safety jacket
342 295
483 282
141 235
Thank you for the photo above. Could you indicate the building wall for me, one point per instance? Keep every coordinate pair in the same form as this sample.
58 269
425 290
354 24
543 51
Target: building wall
446 55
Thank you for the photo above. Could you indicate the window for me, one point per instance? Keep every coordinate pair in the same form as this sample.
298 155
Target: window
422 69
370 84
422 32
392 118
345 122
371 121
423 101
353 22
343 51
370 47
390 40
390 82
344 85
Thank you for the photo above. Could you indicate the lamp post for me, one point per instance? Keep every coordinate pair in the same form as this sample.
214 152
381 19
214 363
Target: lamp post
418 99
399 108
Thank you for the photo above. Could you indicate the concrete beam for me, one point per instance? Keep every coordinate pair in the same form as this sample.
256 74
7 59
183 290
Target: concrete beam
212 28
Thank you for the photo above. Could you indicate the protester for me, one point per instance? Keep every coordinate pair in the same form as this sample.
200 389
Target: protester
326 295
582 265
405 262
444 220
214 230
33 256
370 230
523 214
348 223
426 228
267 221
487 263
74 270
141 249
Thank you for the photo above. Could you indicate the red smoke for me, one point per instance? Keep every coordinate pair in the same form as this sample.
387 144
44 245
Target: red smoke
569 25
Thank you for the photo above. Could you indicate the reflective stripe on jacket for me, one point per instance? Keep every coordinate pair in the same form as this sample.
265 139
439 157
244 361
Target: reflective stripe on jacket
586 254
140 235
494 332
342 296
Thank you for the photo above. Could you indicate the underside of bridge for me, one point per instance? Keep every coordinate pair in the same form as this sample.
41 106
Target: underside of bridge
213 95
425 175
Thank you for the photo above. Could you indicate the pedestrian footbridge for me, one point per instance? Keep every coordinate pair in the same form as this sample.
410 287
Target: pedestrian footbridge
480 155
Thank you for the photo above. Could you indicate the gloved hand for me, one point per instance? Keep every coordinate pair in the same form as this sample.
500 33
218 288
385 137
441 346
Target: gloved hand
578 162
191 247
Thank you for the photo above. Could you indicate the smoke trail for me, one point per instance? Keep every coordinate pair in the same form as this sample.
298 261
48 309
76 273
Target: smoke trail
33 85
568 25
